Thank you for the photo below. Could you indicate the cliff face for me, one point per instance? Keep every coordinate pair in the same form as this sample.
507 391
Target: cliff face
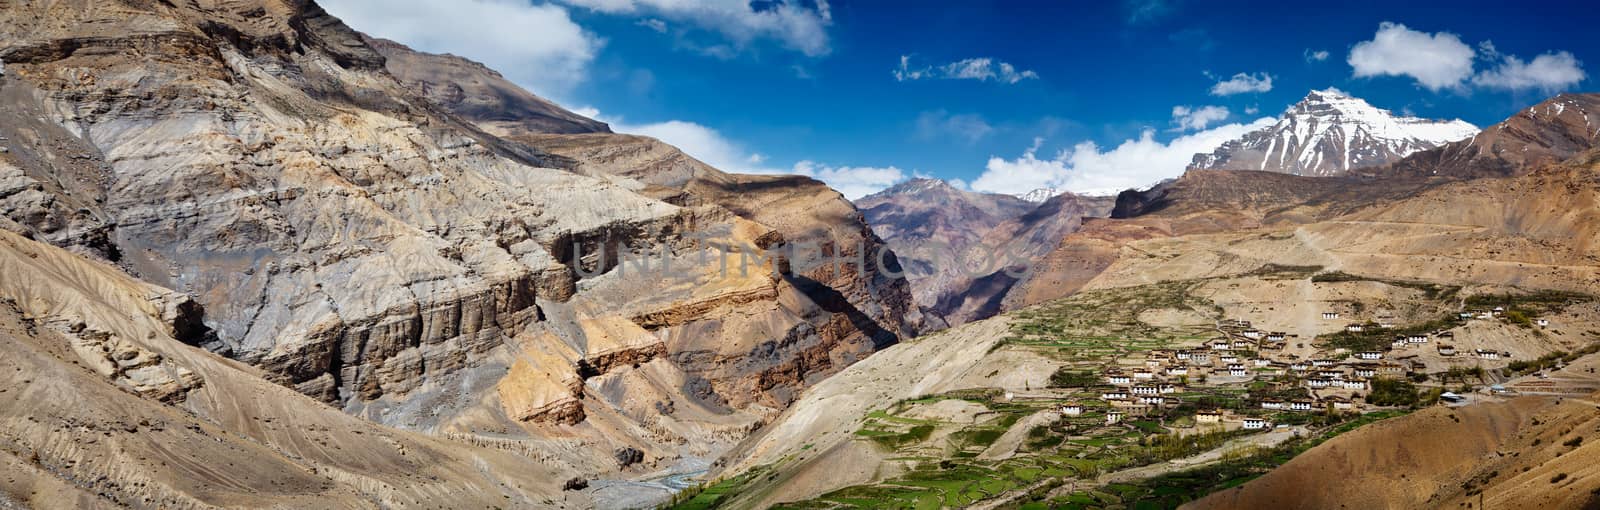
376 247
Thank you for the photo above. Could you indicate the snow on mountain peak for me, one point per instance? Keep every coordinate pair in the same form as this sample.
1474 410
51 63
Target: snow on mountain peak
1038 196
1329 133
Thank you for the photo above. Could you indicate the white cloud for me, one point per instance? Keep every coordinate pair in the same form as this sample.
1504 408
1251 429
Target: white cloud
1242 83
797 27
1440 61
1436 61
653 24
1550 72
940 124
1316 56
853 182
1085 168
549 60
980 68
1188 118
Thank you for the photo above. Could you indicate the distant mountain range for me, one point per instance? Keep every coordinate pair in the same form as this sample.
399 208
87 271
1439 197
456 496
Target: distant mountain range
944 235
1330 133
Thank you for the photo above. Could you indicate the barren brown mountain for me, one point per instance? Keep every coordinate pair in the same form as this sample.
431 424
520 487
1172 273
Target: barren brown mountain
344 216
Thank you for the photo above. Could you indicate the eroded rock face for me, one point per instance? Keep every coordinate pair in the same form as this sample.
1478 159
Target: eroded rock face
421 267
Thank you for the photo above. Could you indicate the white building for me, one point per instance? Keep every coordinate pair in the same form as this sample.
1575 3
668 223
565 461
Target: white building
1119 379
1417 339
1143 375
1330 315
1113 395
1255 423
1153 400
1369 355
1146 390
1113 417
1542 322
1447 350
1072 409
1355 328
1271 403
1237 371
1301 405
1355 384
1208 417
1487 354
1253 334
1178 370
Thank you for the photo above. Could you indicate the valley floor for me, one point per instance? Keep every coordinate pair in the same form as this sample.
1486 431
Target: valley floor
1038 412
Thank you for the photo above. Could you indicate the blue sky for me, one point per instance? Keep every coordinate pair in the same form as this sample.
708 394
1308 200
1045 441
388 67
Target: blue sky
999 97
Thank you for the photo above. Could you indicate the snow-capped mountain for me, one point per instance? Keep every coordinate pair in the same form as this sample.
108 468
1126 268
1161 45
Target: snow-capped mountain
1329 133
1038 196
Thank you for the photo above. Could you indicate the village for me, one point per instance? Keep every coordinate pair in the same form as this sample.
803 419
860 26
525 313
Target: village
1287 376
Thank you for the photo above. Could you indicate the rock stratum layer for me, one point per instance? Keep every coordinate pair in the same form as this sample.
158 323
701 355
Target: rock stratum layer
413 239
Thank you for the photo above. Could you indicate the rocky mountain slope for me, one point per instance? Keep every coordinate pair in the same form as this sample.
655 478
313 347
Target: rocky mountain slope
1331 133
1526 453
353 227
1546 133
957 245
106 408
474 91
